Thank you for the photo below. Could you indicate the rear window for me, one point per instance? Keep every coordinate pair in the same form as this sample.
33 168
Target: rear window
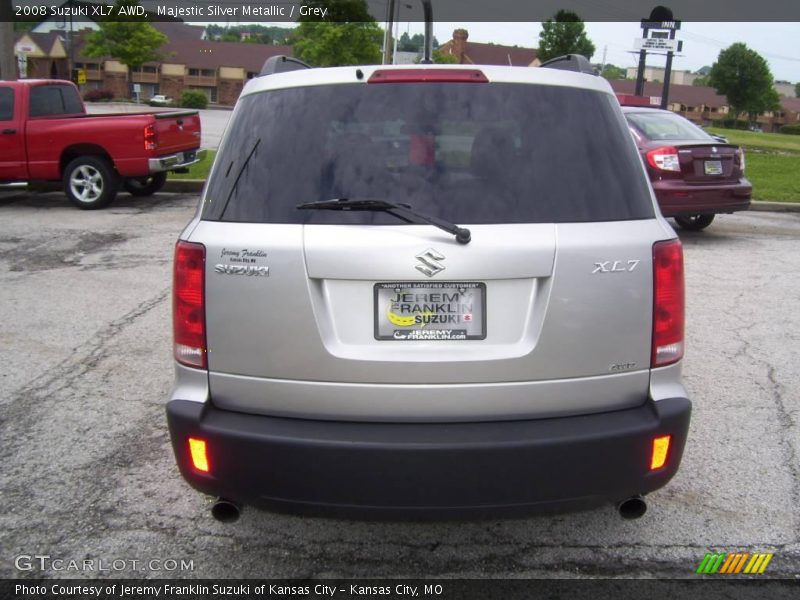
50 100
666 126
465 152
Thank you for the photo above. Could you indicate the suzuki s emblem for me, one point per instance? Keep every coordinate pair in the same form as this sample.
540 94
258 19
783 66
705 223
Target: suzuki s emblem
429 262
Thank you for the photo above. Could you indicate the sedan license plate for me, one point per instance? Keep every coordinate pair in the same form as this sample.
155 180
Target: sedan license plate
713 167
440 311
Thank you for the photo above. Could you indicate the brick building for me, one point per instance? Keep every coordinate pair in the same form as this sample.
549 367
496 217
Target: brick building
218 69
703 106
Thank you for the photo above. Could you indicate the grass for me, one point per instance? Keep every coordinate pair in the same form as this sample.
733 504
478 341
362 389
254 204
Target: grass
764 142
774 177
772 163
198 170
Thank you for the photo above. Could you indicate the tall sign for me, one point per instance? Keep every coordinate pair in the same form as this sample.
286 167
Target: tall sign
658 37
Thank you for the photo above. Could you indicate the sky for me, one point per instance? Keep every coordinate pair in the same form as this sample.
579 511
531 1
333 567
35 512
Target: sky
778 43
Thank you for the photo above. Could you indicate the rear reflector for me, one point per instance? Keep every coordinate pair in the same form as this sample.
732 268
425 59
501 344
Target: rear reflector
664 159
428 75
199 454
188 305
660 450
668 303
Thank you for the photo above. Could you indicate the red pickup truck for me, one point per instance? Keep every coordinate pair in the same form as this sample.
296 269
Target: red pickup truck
46 135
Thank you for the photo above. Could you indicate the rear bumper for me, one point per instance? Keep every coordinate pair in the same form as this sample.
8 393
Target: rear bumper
178 160
676 198
331 467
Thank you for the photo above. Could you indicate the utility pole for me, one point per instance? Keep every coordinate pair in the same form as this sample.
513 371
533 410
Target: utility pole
603 64
8 60
387 34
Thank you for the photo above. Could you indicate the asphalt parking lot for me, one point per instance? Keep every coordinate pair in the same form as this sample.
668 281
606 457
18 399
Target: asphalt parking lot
88 473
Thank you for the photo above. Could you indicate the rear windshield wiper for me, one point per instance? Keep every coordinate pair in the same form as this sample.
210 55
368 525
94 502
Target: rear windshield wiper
463 235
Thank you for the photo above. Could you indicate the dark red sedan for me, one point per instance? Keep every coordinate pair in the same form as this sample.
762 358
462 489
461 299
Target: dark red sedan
694 175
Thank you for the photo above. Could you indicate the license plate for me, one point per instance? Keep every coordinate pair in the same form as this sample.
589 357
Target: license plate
440 311
713 167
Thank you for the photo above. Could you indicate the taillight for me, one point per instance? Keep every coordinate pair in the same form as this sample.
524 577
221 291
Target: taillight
668 303
740 152
664 159
188 305
428 76
150 137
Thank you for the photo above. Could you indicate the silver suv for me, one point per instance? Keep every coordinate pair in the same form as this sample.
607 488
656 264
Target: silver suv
428 289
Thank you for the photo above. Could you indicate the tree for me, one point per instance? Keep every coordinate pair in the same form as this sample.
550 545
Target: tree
129 39
700 81
744 77
353 39
564 34
614 72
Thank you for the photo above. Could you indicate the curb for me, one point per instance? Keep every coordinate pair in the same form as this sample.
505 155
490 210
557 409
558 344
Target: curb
764 206
191 186
184 186
195 186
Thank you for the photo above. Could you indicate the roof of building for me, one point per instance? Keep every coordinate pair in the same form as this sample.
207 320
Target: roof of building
477 53
205 54
211 55
790 104
688 95
495 54
179 31
45 41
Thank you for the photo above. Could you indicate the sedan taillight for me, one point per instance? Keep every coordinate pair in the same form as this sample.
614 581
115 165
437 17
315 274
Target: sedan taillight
664 159
740 152
189 306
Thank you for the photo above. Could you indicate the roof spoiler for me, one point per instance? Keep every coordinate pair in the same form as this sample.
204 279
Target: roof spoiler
570 62
282 64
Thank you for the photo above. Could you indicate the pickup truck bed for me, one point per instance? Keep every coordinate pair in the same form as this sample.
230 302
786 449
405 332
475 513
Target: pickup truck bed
46 135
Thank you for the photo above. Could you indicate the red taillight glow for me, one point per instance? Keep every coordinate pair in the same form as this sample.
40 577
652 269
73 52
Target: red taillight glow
188 305
668 303
150 137
428 76
664 159
198 450
658 457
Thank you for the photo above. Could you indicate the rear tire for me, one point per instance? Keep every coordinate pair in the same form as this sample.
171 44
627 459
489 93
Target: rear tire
90 182
694 222
145 186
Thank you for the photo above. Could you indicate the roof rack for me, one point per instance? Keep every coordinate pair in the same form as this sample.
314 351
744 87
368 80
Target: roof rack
282 64
570 62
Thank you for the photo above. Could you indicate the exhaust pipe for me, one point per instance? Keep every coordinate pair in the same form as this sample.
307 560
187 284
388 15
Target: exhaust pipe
226 511
632 508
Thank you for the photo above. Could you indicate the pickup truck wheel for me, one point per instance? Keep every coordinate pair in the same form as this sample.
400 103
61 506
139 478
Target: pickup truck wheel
90 182
145 186
694 222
